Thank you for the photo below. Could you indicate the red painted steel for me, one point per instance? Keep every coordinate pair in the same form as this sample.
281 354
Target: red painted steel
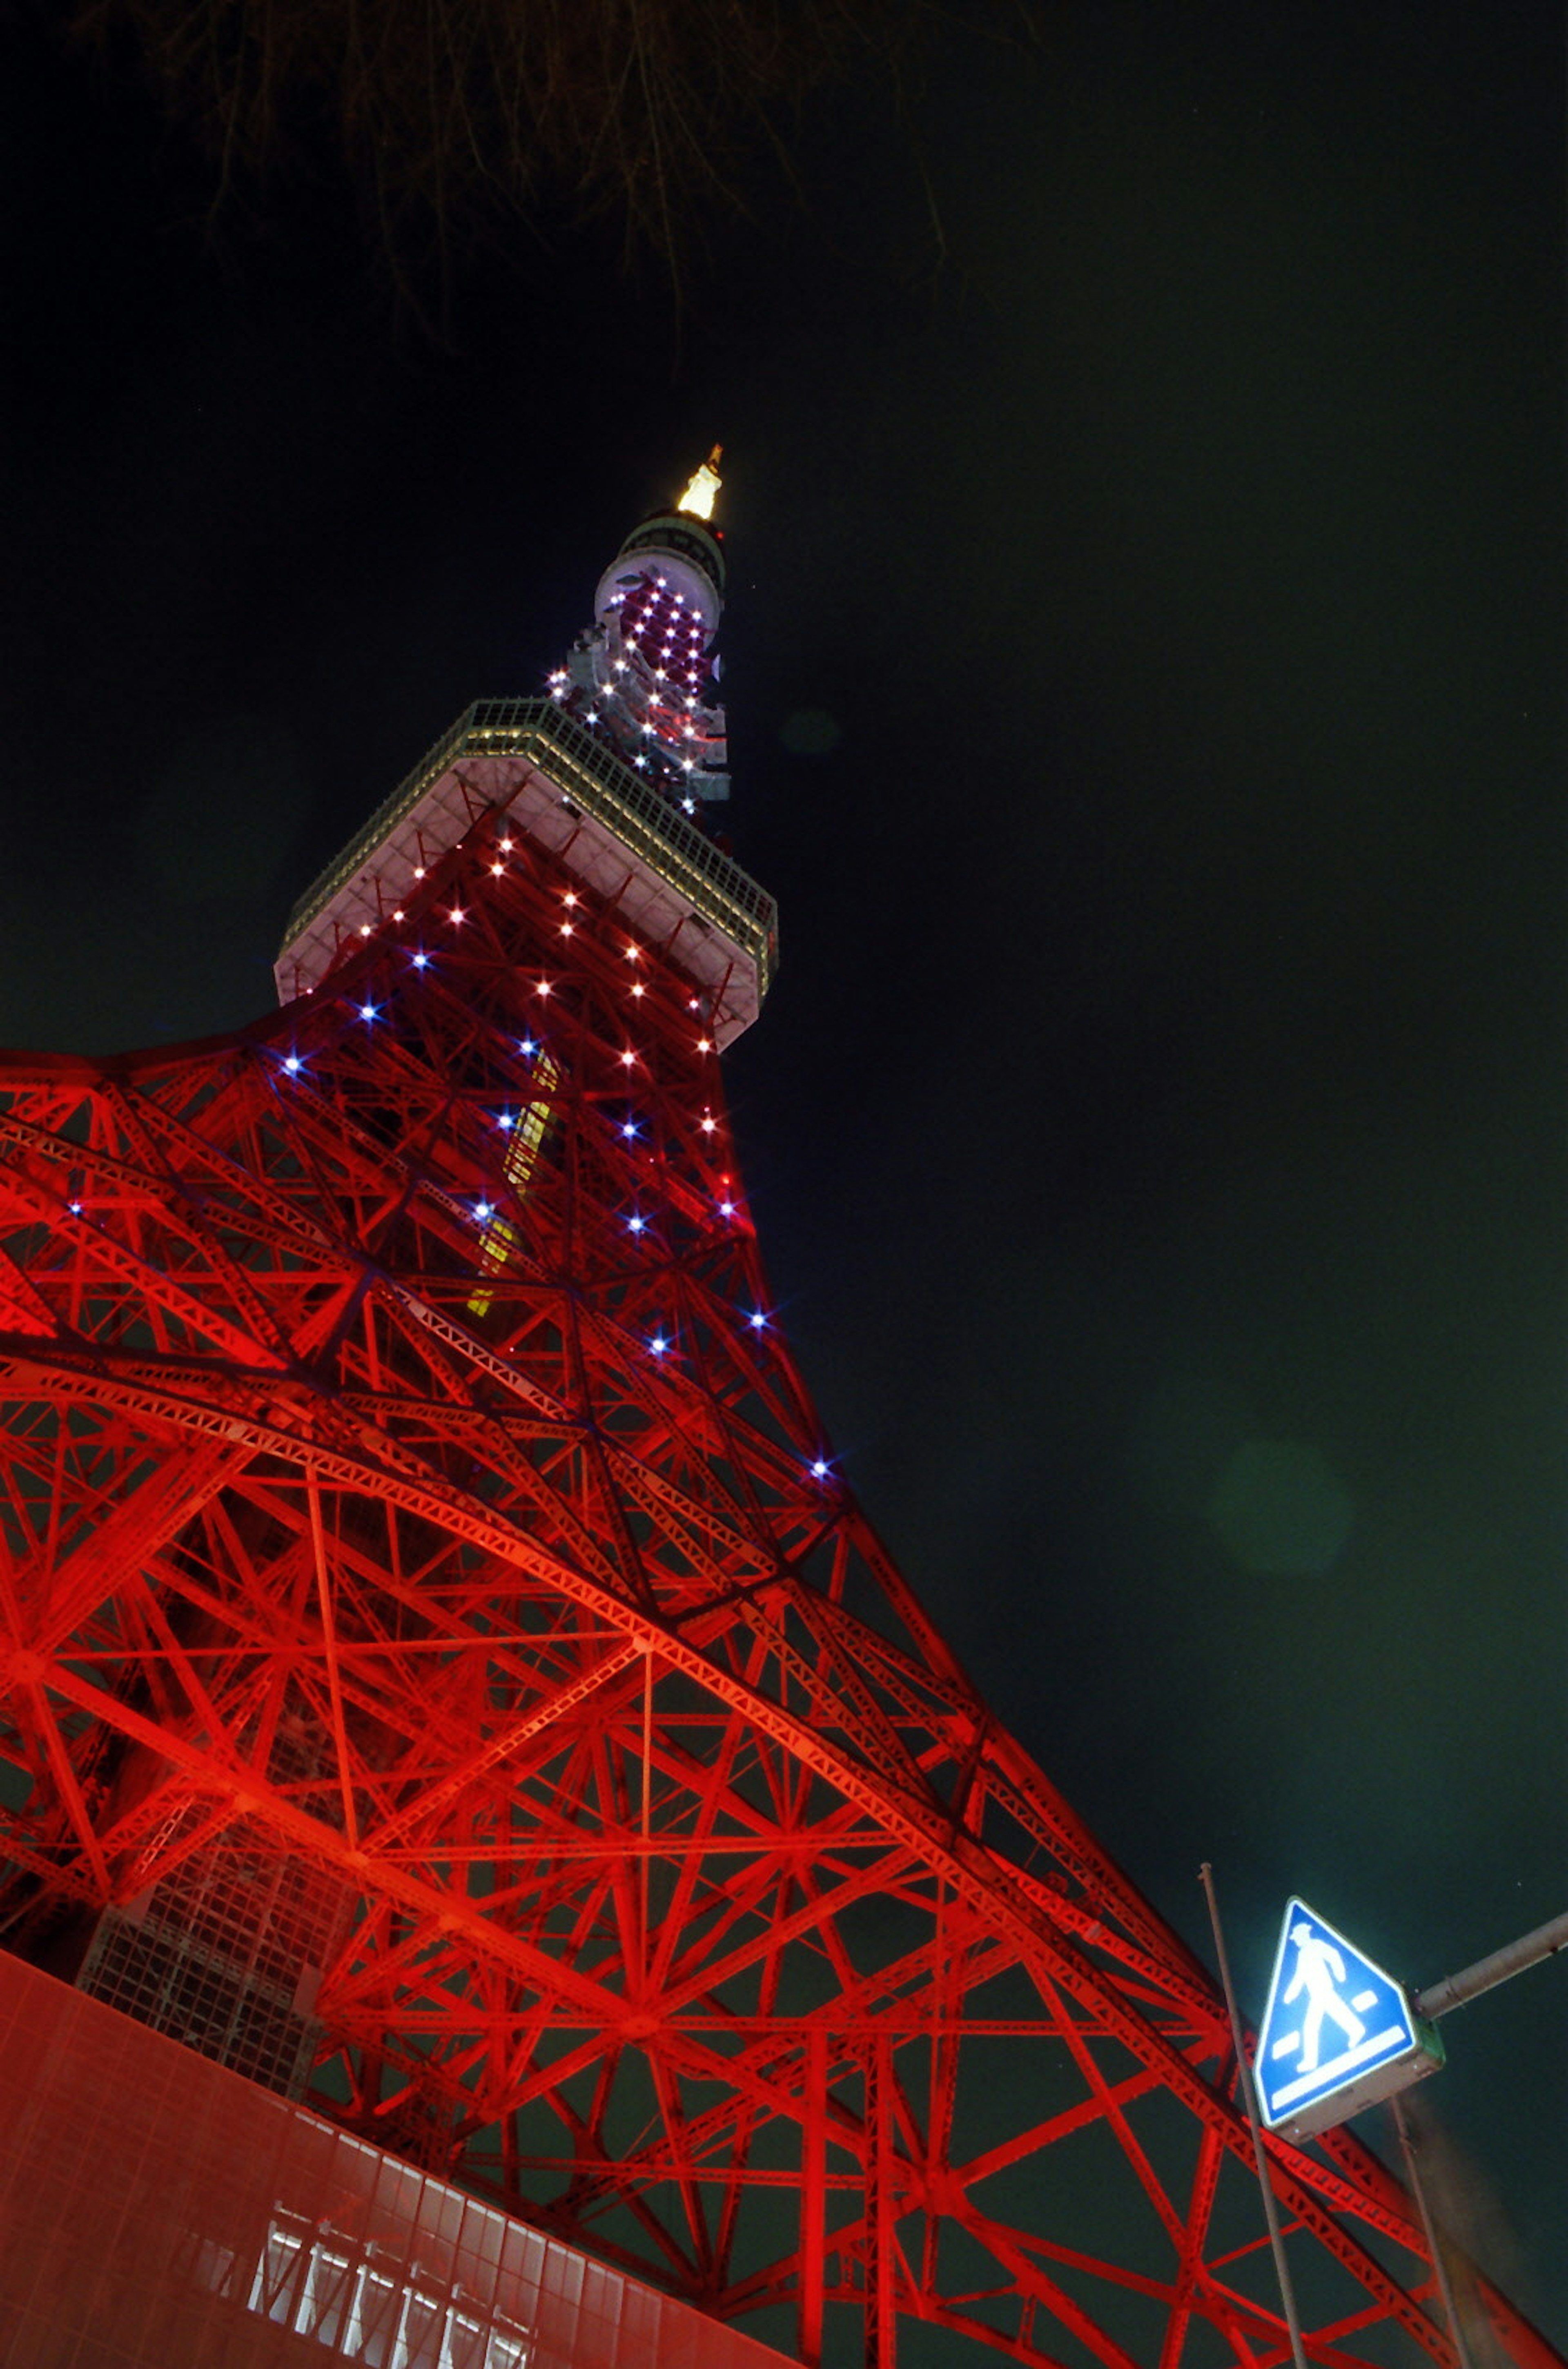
408 1487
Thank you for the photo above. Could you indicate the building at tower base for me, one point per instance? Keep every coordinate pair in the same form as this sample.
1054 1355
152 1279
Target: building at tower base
159 2212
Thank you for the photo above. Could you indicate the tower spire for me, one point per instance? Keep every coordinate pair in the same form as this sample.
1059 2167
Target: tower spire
643 674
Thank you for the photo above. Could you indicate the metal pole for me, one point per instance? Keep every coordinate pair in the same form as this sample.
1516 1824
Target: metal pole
1249 2099
881 2318
813 2197
1486 1973
1433 2242
647 1803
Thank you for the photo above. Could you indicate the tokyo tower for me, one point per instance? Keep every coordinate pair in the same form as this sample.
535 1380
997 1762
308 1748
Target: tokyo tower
448 1681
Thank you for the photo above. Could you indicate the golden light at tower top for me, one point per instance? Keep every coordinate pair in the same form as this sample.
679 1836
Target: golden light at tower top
697 501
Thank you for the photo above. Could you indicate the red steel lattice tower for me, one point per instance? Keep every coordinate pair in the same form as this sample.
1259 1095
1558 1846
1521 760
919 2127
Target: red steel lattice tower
445 1671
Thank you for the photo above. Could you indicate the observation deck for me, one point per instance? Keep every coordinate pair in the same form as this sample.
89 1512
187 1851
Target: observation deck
557 785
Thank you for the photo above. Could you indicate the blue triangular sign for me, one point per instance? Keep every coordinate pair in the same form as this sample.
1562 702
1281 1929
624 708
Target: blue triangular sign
1338 2033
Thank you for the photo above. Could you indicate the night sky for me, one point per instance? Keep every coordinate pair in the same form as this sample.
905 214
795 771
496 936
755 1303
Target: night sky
1145 506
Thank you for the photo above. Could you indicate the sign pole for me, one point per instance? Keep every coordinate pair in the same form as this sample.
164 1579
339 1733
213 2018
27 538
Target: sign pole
1487 1973
1433 2242
1248 2100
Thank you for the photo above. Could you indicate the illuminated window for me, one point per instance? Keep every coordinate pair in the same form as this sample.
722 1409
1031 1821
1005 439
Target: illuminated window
368 2307
525 1134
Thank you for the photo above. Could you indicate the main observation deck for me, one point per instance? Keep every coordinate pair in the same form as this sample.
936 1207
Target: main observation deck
559 787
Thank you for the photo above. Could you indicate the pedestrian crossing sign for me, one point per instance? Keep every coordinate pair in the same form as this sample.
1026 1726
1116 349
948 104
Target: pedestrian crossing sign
1338 2033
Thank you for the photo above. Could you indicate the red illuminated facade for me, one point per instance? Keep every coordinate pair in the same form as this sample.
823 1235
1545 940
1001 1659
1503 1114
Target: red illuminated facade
448 1678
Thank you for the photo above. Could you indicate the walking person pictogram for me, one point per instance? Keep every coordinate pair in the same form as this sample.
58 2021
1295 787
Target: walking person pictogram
1320 1970
1373 2048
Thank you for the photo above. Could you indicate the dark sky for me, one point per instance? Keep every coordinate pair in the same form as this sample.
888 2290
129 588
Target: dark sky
1145 665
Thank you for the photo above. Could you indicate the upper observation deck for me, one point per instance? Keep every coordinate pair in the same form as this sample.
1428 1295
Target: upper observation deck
557 785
